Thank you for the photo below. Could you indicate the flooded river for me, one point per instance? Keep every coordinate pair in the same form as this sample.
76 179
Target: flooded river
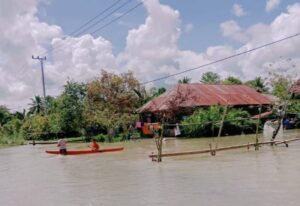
270 176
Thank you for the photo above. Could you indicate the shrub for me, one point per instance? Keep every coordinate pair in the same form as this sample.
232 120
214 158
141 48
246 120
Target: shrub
206 122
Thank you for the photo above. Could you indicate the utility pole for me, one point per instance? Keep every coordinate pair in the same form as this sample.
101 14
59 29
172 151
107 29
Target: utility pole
42 59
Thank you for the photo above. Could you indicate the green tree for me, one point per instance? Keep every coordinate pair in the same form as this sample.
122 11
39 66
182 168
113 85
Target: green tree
258 84
69 108
294 106
232 80
112 100
157 92
210 78
20 115
280 87
206 122
5 115
36 127
36 105
185 80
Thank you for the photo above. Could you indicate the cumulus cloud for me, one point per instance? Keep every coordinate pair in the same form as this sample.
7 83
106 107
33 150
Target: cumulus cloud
284 25
151 50
272 4
233 30
21 34
238 10
79 58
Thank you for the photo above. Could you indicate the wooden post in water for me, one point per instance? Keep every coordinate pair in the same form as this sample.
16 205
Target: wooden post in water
158 141
221 128
281 116
257 128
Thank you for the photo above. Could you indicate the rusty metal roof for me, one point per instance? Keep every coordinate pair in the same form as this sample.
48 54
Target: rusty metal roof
197 94
295 87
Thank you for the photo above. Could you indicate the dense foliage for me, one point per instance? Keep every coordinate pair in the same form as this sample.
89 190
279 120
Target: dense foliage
110 101
210 78
206 122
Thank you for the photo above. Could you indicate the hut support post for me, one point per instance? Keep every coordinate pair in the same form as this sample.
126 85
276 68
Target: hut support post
280 117
158 141
221 127
257 128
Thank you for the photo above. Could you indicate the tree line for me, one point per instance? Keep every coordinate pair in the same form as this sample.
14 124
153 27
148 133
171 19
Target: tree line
108 101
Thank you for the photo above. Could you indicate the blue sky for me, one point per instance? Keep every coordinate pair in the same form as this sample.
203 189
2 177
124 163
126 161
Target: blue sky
205 16
161 37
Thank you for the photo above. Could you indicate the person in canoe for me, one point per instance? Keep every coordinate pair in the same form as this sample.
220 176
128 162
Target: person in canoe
62 145
94 146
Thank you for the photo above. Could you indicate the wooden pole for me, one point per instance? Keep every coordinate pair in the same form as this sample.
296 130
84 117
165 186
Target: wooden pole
257 127
159 141
280 117
221 127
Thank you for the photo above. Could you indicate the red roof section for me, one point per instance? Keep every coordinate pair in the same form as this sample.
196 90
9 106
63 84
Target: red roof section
295 87
197 94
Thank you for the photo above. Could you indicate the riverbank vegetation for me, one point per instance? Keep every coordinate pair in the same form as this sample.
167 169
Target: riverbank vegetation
105 109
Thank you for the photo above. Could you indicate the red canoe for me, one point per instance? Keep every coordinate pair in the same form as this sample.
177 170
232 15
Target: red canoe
79 152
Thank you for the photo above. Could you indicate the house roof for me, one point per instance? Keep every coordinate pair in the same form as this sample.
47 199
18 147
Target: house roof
295 87
196 94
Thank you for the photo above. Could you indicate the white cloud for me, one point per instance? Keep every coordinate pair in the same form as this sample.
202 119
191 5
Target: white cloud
272 4
238 10
151 50
75 58
232 29
189 27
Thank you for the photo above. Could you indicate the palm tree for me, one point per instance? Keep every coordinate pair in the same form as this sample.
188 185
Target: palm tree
36 106
258 84
185 80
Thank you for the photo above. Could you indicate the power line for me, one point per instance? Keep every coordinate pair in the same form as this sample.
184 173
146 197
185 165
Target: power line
115 19
95 17
81 27
105 25
223 59
97 22
111 6
105 17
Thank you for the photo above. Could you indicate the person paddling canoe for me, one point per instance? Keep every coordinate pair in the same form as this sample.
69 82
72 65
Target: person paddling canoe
94 145
62 144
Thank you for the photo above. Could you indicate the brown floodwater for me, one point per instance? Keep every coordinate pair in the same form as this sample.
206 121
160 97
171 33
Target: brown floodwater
270 176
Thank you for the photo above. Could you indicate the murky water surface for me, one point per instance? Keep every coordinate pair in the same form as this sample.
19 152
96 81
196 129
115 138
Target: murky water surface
270 176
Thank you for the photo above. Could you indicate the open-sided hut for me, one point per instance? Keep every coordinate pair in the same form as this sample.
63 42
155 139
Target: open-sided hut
185 98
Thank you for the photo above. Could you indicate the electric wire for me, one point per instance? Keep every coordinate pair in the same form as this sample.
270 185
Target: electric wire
223 59
97 30
74 32
117 18
103 18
